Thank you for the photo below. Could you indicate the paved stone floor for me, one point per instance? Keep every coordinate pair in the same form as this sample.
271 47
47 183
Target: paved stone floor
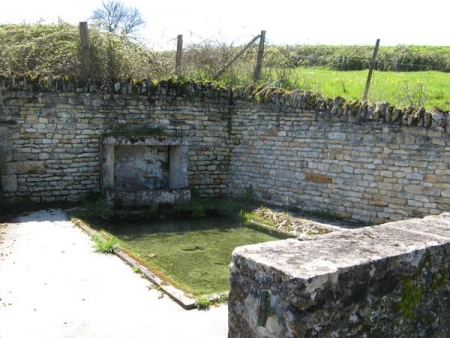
52 284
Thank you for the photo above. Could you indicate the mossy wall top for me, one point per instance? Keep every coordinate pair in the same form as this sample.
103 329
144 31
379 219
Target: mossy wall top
297 149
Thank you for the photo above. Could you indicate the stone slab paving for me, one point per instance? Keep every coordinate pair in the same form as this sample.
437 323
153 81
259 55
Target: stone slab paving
52 284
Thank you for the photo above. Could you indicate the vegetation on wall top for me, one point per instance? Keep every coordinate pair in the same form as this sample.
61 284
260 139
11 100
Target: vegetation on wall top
45 49
46 57
55 49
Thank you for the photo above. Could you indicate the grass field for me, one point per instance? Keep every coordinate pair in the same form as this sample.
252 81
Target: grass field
427 88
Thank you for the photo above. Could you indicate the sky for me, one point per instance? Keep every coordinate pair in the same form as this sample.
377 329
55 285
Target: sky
236 22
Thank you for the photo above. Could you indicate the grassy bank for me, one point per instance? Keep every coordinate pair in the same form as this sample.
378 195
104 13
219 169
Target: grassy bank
427 88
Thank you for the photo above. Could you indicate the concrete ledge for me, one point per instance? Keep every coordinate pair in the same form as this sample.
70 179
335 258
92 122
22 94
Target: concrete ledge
143 198
386 280
179 296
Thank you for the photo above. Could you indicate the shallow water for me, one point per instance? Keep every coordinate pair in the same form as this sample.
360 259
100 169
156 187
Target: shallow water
195 253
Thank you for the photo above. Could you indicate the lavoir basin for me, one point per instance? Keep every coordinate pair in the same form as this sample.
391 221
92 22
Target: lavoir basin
194 254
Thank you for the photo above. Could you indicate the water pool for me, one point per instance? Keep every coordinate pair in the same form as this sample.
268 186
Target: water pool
193 253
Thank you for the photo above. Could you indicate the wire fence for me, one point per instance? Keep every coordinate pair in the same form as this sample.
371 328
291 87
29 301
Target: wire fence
56 50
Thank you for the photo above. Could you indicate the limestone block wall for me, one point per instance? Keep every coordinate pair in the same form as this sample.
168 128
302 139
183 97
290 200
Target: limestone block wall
52 150
370 170
388 280
50 147
297 150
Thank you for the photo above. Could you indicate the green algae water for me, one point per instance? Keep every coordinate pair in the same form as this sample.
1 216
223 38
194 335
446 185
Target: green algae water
195 253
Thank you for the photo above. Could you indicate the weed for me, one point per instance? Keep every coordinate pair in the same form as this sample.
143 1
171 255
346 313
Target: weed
107 246
223 298
290 207
255 218
202 303
413 94
198 211
325 213
136 269
343 88
227 207
202 207
153 211
249 194
100 208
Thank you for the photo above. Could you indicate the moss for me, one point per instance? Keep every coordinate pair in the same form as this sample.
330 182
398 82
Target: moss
439 281
311 101
412 293
410 298
137 132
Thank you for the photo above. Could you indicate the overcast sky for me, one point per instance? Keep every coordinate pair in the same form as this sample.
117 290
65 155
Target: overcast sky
342 22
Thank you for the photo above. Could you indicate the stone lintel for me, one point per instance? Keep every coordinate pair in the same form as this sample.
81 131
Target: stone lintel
144 140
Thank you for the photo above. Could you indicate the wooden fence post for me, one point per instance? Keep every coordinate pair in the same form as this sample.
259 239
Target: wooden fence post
179 56
85 52
258 68
372 64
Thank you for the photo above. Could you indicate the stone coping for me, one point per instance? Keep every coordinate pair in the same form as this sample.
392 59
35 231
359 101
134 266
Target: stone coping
341 250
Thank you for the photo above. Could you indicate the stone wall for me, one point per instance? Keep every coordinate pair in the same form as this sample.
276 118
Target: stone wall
370 169
50 142
389 280
297 150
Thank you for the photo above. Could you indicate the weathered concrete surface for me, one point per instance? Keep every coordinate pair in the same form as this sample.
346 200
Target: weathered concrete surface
52 285
390 280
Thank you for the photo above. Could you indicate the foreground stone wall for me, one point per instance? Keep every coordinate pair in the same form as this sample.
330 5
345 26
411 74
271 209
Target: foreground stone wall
390 280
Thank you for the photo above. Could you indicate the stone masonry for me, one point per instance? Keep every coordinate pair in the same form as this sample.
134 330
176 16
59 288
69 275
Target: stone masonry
368 170
51 144
371 162
389 280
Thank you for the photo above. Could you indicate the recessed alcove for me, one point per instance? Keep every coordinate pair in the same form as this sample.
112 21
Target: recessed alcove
144 170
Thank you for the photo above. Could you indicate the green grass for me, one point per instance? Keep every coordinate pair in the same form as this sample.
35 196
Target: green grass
428 88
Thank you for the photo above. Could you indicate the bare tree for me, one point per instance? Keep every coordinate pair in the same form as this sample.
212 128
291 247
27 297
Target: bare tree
116 18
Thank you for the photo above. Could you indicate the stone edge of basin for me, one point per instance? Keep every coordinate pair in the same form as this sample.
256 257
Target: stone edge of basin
327 253
179 296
